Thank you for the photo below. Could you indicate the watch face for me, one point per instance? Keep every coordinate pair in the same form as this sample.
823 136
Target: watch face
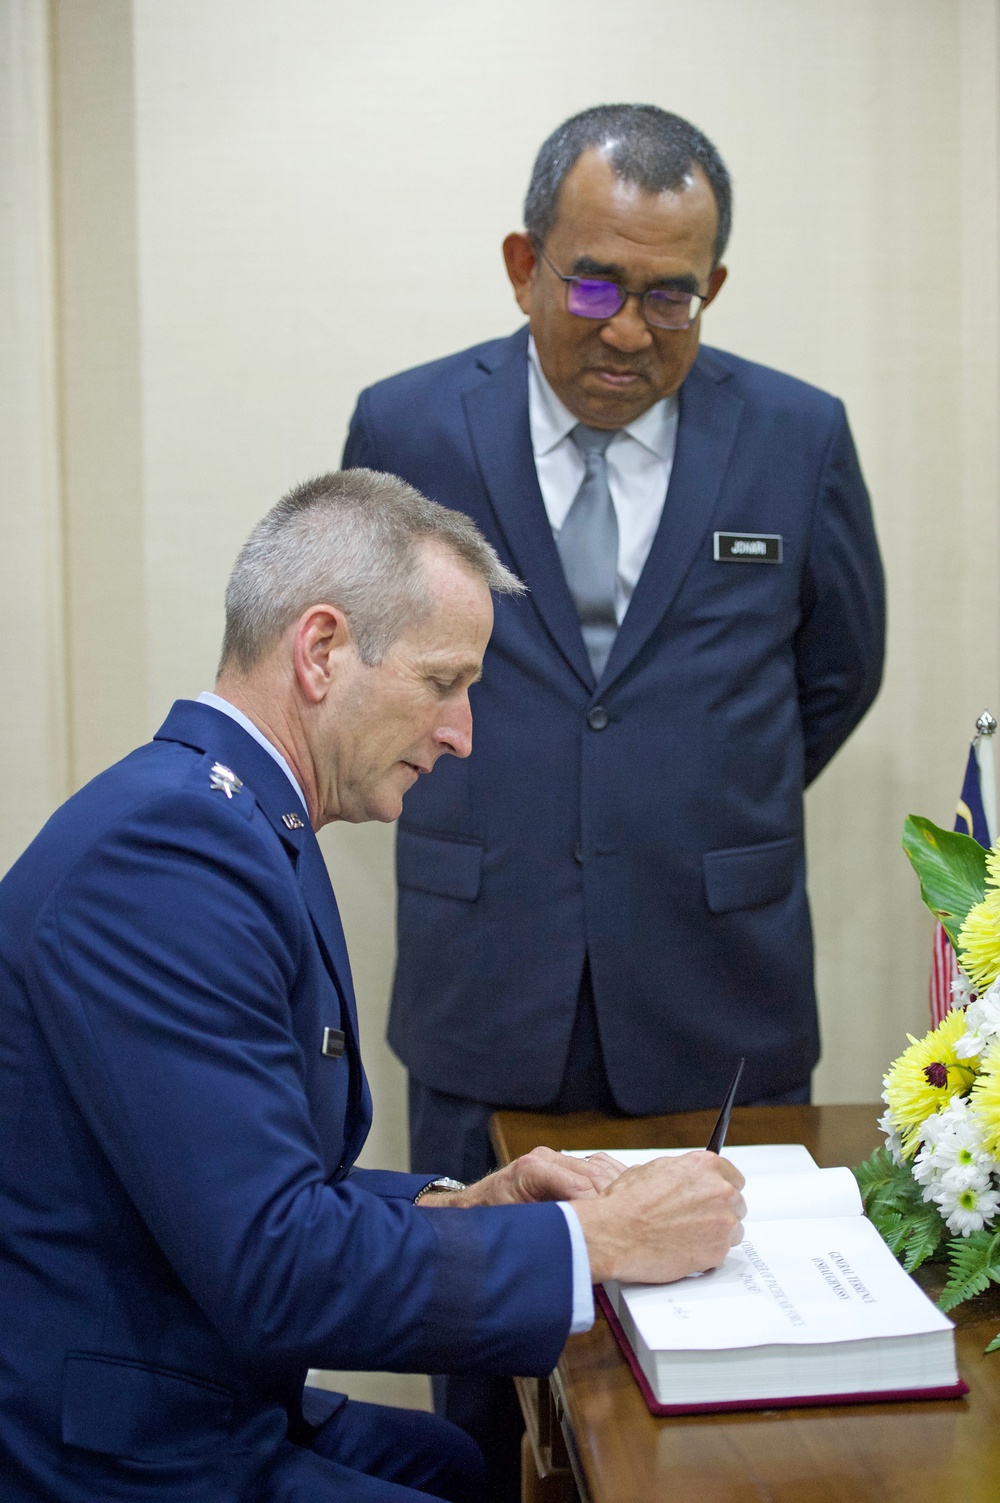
439 1186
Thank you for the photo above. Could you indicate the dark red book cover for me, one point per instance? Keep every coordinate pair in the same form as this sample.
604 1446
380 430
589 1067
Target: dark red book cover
816 1401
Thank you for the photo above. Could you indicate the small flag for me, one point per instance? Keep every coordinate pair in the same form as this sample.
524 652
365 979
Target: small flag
976 815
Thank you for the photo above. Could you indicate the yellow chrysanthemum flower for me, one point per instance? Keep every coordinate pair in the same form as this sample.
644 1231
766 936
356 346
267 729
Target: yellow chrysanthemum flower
979 936
979 941
925 1077
985 1100
993 865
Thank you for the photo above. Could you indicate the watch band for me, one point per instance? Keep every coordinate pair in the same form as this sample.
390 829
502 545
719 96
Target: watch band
439 1187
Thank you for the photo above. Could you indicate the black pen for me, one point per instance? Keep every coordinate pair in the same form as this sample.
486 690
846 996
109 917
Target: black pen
717 1141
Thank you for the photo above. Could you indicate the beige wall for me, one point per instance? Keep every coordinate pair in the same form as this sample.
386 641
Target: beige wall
33 744
200 203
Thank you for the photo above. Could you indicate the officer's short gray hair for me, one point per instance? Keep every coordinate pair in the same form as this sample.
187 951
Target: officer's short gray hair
352 539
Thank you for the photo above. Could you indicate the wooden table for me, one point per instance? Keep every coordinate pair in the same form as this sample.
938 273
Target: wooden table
593 1437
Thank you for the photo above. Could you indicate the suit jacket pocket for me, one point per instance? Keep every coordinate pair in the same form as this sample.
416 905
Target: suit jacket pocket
751 875
129 1410
443 864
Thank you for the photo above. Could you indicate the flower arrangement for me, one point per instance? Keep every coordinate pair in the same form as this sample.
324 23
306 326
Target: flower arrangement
933 1191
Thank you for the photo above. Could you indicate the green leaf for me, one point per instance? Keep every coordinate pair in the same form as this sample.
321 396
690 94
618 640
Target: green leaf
951 868
881 1180
994 1345
911 1227
926 1232
891 1227
911 1236
975 1263
887 1185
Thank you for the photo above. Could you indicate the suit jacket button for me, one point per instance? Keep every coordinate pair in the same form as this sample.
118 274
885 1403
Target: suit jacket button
578 854
598 718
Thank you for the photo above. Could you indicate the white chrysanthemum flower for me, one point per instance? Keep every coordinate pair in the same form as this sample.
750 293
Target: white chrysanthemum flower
969 1209
982 1018
924 1166
957 1128
962 990
952 1144
927 1167
925 1170
964 1175
893 1139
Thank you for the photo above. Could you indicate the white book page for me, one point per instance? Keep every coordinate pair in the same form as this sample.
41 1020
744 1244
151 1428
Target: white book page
788 1283
756 1158
786 1197
783 1180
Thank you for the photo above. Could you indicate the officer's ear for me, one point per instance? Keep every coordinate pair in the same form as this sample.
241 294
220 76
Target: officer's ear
321 643
522 266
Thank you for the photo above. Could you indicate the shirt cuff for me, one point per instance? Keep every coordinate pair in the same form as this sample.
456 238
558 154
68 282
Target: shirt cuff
583 1292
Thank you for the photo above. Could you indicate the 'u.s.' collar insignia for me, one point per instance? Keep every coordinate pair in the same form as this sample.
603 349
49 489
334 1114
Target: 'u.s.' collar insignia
224 780
292 822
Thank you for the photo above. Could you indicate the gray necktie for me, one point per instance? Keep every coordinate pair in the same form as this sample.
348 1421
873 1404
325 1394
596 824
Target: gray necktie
588 547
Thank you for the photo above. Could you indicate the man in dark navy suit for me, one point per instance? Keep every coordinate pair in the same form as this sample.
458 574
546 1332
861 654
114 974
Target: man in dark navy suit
182 1229
703 629
606 905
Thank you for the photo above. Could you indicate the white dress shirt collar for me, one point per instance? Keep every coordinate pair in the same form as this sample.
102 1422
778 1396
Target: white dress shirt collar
551 420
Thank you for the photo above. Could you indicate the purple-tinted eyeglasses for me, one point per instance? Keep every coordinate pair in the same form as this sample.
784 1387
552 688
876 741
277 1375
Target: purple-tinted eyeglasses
663 307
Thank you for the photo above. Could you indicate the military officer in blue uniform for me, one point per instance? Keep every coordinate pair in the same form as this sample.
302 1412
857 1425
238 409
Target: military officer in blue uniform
183 1231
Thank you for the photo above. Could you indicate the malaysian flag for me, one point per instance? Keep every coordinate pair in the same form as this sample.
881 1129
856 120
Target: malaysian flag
976 815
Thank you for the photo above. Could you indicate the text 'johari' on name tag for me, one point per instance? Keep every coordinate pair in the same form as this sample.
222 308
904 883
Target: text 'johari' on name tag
747 548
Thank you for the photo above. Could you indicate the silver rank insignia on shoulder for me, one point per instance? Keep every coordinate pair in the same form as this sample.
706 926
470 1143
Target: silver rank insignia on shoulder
224 780
292 822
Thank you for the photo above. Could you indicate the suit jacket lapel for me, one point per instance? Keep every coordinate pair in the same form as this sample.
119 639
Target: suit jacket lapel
322 904
496 411
706 432
209 730
323 910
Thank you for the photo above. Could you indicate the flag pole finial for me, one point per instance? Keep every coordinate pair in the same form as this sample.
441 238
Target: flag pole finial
986 724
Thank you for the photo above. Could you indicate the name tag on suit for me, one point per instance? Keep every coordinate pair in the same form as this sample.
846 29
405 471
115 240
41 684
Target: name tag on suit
747 548
333 1043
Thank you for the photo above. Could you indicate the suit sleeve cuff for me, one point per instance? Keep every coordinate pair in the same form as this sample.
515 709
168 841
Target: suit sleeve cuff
390 1184
583 1293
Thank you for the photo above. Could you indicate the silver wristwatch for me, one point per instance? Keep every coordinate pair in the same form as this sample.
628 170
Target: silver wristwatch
438 1187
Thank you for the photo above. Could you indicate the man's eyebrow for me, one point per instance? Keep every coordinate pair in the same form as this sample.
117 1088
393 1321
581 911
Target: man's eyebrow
586 266
686 283
472 671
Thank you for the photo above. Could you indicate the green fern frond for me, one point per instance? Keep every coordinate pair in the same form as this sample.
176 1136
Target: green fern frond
913 1235
911 1227
891 1227
994 1345
975 1263
927 1232
883 1182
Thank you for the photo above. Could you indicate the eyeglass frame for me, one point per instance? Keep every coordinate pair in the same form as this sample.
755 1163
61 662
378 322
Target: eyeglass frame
625 293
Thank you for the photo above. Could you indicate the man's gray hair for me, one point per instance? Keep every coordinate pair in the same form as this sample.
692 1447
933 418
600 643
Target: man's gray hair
647 146
352 539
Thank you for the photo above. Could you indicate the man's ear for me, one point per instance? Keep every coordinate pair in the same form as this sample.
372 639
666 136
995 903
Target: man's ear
522 264
715 281
322 637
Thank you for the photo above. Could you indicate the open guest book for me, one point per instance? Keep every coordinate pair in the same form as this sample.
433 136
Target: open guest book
811 1308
